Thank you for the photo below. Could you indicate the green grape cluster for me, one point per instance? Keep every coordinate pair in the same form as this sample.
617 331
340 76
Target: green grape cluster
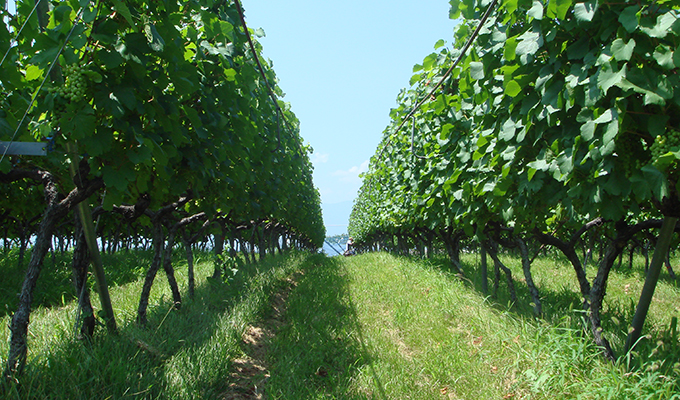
665 143
75 84
631 153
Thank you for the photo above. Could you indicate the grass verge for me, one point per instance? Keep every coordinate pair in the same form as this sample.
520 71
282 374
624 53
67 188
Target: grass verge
184 354
373 326
382 327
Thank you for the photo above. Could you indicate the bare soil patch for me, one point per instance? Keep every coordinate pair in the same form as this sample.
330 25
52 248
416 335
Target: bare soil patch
249 375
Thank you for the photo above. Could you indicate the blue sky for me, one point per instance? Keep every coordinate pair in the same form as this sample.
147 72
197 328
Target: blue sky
341 65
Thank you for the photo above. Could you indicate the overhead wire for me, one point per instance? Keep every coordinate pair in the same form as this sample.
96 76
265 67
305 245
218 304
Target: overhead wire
35 7
261 70
463 51
47 74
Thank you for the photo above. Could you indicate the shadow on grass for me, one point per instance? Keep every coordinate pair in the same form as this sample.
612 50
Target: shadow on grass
563 308
320 350
55 284
177 356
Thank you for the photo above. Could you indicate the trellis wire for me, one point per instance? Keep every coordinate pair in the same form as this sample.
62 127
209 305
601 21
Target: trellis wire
47 74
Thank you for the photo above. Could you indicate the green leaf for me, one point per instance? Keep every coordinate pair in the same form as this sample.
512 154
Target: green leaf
605 117
117 179
33 72
80 125
510 5
110 59
227 28
140 155
126 96
540 165
558 8
578 49
155 40
509 51
230 74
588 130
609 76
565 162
489 187
657 125
611 131
45 57
61 13
662 26
664 56
508 130
623 51
653 98
122 9
536 10
529 43
477 70
89 14
629 19
656 180
584 12
530 174
98 143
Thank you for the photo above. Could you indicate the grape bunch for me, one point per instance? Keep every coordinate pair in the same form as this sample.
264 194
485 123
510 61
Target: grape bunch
665 143
75 83
631 153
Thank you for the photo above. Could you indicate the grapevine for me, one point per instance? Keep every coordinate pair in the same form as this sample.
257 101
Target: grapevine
168 128
526 138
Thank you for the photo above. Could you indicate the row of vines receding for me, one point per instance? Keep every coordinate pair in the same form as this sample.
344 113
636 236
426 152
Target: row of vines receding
160 125
558 129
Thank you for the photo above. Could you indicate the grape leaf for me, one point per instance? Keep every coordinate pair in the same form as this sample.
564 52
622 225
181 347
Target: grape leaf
584 12
629 19
664 56
477 70
621 50
536 10
609 76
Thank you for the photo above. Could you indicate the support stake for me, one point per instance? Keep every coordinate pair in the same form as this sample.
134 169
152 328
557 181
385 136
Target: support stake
91 238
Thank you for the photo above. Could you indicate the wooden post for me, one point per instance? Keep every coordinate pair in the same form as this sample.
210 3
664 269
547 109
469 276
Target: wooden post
91 239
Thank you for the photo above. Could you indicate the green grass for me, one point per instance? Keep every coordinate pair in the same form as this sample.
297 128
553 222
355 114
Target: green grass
181 354
380 327
373 326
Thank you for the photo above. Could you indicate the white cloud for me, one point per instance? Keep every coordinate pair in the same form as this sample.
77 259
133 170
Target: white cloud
352 175
319 158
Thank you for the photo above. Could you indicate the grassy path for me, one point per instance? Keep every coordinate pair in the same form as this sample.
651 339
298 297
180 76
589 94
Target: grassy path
377 327
301 326
380 327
